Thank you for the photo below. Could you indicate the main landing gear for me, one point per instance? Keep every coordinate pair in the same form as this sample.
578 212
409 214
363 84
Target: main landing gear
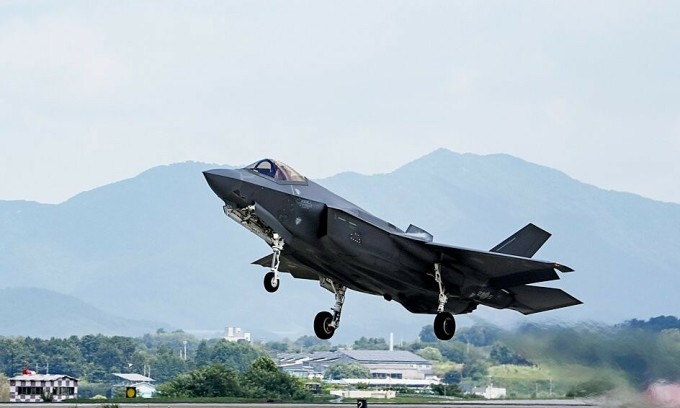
444 323
326 323
271 278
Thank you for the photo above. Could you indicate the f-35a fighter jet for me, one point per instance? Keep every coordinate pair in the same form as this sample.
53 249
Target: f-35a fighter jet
315 234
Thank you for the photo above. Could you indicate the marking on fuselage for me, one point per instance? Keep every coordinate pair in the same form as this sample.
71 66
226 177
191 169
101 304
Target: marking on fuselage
303 203
355 236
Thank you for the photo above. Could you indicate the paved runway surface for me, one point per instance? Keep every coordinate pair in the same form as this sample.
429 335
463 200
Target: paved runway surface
452 404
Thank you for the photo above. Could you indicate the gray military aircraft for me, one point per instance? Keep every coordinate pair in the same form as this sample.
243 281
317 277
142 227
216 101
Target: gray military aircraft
315 234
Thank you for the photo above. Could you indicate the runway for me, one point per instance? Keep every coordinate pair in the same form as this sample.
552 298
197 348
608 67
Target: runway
347 403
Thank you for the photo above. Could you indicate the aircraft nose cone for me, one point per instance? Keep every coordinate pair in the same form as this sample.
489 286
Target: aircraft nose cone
223 182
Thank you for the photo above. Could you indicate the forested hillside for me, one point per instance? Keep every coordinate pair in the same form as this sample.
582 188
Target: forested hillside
532 361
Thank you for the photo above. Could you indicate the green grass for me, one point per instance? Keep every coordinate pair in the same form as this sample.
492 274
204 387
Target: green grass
537 381
439 368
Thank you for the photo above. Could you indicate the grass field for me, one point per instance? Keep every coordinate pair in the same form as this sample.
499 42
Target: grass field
545 381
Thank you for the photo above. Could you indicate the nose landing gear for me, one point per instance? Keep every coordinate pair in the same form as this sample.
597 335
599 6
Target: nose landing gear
271 278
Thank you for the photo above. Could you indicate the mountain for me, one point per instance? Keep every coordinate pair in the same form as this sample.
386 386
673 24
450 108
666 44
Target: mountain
158 247
44 313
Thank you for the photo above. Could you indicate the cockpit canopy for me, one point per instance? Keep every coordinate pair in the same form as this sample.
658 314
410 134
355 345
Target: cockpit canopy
277 170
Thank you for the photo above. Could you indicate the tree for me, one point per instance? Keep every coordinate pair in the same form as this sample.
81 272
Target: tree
265 380
202 357
453 350
238 356
311 343
427 334
342 370
479 336
277 346
475 370
216 380
590 388
430 353
447 389
371 343
167 364
502 354
452 377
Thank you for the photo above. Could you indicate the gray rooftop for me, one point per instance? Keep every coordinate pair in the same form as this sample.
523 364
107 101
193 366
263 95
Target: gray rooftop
42 377
133 377
384 356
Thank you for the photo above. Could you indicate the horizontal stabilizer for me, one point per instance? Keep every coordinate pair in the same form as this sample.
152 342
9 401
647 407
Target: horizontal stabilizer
534 299
523 278
524 242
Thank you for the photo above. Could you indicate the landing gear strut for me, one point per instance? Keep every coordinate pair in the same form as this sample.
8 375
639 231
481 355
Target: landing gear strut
271 278
444 323
326 323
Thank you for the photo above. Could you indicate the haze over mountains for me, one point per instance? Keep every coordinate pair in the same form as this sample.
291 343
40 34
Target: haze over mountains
157 251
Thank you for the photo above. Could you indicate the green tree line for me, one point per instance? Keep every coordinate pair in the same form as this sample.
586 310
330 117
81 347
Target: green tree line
93 358
262 380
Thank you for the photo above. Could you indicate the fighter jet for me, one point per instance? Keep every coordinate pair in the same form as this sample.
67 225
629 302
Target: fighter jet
317 235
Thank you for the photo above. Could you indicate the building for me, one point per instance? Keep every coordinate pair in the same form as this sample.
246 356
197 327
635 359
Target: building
488 392
388 368
32 387
235 334
397 364
140 382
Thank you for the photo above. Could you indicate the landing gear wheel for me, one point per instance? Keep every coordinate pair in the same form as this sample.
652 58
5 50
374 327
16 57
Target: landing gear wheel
322 325
444 326
271 282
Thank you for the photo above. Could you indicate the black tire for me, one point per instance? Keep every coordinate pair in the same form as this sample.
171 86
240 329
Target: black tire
271 284
322 327
444 326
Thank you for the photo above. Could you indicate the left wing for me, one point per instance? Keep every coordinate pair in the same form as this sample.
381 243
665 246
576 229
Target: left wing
287 264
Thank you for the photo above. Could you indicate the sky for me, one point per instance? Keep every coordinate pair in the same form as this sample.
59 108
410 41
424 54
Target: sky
92 92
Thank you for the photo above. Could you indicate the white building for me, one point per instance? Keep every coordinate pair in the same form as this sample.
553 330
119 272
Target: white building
141 383
31 387
397 368
488 392
235 334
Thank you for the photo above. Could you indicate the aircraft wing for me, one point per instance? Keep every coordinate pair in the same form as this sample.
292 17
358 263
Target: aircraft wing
509 273
500 270
289 265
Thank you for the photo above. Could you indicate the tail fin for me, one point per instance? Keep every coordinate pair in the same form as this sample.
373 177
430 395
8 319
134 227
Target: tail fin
524 242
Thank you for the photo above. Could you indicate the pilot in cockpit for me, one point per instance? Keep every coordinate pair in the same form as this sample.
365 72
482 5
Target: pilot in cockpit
276 170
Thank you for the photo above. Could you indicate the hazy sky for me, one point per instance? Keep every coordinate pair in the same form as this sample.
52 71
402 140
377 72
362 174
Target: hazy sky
92 92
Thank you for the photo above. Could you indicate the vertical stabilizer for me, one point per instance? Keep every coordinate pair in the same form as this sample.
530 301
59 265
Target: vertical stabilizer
524 242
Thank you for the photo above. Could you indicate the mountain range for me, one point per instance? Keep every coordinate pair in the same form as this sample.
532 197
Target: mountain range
157 251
